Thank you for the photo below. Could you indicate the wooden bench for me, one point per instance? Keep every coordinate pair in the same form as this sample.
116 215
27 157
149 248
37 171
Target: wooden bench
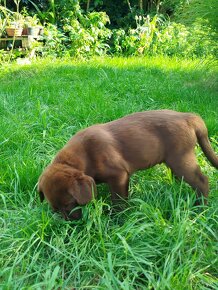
26 41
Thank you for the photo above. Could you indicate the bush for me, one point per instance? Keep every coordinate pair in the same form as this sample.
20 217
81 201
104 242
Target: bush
139 40
80 35
156 36
54 42
87 34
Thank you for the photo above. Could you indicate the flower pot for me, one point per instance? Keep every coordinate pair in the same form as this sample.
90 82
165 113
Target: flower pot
25 32
14 31
33 31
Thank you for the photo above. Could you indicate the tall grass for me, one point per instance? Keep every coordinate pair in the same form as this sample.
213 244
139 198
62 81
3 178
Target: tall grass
160 240
195 9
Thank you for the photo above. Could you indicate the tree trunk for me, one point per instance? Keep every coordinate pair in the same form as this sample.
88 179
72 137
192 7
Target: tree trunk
145 5
141 4
88 5
149 4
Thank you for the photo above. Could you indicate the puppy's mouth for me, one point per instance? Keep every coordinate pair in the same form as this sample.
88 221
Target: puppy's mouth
72 215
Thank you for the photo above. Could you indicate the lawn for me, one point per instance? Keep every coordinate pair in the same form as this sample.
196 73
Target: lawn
160 240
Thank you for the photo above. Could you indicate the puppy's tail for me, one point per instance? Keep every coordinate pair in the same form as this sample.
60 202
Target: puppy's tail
203 140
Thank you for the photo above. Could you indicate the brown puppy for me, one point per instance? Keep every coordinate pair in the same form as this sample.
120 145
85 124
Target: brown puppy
111 152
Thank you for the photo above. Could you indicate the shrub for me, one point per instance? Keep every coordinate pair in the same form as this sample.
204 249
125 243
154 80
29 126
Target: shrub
80 35
54 42
156 36
87 34
188 41
136 41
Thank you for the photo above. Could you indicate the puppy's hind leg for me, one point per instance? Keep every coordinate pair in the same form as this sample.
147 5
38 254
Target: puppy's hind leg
186 166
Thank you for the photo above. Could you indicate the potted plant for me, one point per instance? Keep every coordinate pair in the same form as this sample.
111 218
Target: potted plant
5 17
32 25
14 25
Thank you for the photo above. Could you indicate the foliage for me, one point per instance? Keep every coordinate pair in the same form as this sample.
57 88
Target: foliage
201 16
88 34
122 12
81 35
198 9
3 23
158 36
70 31
54 42
198 40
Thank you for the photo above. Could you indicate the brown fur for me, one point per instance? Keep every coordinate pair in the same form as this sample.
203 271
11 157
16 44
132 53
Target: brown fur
112 152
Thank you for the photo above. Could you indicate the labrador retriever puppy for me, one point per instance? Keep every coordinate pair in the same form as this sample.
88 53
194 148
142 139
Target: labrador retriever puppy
111 152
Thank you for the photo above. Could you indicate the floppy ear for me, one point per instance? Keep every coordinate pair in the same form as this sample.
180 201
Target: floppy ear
84 191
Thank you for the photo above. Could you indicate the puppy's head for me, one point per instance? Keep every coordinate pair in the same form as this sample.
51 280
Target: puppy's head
66 188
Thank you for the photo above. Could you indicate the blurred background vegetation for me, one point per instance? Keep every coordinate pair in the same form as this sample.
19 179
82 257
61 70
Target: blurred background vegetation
119 27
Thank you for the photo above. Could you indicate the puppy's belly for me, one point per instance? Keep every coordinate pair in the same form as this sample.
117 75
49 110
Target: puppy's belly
144 156
143 161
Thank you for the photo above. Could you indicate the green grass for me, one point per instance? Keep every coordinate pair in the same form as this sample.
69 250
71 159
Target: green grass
160 240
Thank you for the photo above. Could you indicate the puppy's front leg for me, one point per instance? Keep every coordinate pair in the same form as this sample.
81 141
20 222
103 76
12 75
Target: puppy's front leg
119 185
